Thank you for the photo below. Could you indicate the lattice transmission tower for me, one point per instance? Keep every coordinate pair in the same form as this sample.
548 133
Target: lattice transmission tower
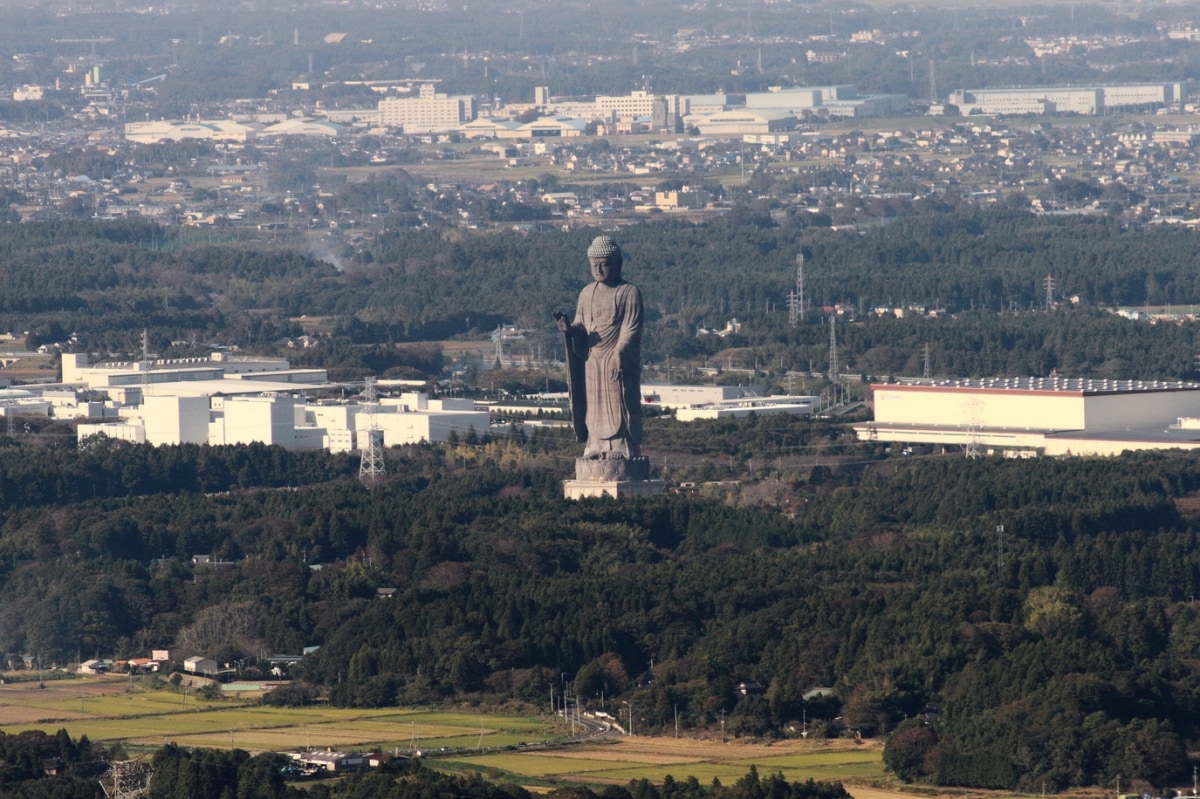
796 300
127 779
833 353
372 468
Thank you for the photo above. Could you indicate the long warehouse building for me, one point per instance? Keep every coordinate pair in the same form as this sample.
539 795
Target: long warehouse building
1038 416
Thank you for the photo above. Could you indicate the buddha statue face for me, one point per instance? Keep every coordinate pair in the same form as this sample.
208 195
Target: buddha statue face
606 269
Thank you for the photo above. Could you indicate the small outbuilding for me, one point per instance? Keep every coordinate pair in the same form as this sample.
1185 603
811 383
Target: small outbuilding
200 665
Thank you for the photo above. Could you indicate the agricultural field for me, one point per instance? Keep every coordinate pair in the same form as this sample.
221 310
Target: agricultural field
143 716
112 710
630 758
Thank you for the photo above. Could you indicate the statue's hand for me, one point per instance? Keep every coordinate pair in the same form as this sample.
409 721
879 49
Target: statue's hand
560 321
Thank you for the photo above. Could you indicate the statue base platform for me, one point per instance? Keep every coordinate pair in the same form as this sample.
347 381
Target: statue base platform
616 478
617 489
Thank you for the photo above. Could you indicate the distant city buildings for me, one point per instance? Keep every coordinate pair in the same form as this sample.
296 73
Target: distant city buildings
1086 100
429 112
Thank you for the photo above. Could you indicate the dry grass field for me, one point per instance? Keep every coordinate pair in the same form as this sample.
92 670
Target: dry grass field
654 758
113 709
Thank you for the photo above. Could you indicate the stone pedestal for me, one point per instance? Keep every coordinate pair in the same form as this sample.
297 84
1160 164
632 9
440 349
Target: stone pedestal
617 478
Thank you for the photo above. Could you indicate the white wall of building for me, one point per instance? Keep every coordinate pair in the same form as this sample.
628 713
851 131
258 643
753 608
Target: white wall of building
431 424
946 406
682 396
121 431
174 420
270 420
431 112
1139 410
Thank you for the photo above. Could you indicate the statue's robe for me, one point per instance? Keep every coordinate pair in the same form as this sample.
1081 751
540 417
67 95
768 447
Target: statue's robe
604 363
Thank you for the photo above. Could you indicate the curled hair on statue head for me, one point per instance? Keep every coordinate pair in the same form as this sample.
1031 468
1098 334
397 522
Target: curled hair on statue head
606 247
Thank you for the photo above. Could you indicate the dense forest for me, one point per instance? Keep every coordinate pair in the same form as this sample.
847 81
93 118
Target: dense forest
106 282
1062 653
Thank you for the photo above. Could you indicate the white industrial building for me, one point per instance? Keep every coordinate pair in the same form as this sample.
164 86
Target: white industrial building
1047 416
674 395
1086 100
290 421
152 132
77 368
836 101
429 112
226 399
760 406
744 121
691 402
303 127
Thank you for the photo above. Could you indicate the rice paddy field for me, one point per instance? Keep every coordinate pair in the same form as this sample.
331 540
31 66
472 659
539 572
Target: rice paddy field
637 757
112 710
143 718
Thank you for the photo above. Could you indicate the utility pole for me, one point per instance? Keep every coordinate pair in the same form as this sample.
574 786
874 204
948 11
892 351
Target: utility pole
927 370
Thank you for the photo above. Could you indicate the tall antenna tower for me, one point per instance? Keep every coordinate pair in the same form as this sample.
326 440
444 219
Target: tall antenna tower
1048 284
145 364
1000 547
371 469
833 355
127 779
795 300
927 370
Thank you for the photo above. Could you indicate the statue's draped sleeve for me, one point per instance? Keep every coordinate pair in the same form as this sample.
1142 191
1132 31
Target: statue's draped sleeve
576 343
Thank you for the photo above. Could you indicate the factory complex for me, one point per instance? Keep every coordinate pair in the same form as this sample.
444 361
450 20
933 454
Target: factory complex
224 399
1032 416
691 402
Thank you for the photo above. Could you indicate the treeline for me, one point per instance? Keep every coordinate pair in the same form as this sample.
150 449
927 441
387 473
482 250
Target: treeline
34 765
106 468
1062 652
423 782
108 281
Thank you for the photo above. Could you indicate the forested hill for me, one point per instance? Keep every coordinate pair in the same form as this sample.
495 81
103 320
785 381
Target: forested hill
1068 659
971 258
108 281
